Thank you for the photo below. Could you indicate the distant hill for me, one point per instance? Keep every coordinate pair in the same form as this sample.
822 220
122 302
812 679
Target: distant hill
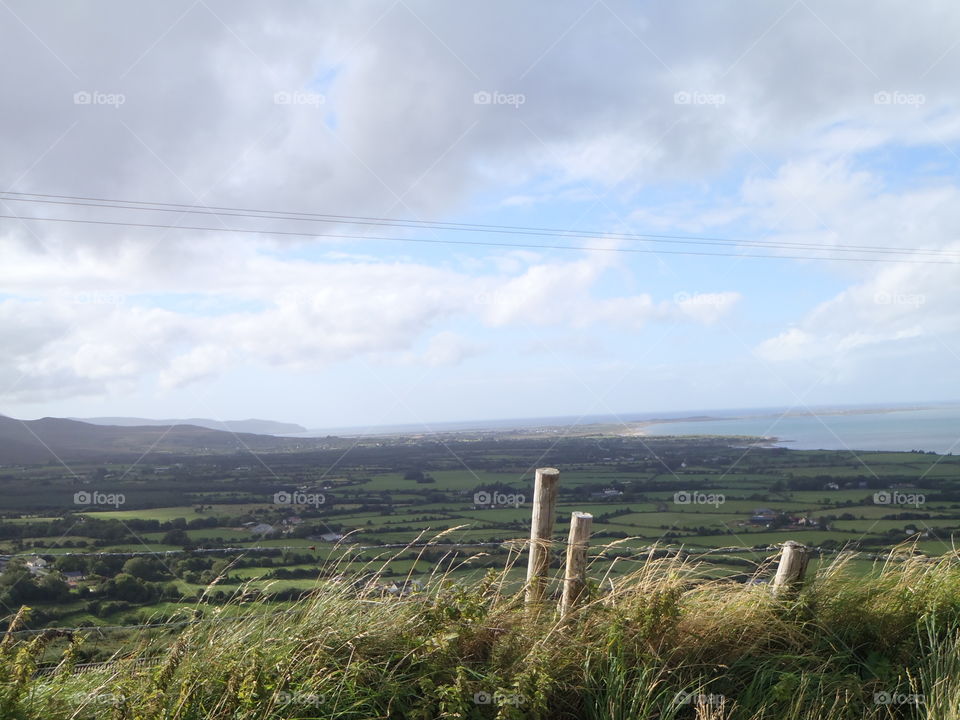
54 439
260 427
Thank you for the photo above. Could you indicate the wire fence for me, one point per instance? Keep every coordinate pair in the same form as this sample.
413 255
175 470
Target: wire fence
146 662
137 663
613 544
598 552
241 549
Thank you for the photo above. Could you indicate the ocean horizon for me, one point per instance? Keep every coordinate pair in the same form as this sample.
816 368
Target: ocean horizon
893 426
930 429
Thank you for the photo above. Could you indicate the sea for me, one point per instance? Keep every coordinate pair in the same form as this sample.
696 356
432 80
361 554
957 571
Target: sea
935 429
927 428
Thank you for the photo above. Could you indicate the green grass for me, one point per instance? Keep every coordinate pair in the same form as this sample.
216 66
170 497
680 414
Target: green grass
166 514
201 534
465 535
257 571
749 539
707 518
667 641
56 541
879 526
879 511
25 520
139 547
733 504
446 479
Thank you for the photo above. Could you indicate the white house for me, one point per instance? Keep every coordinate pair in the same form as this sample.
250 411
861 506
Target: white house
36 565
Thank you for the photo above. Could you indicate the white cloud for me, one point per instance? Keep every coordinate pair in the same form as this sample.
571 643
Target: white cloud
398 134
398 129
916 303
447 348
792 344
707 308
199 363
308 315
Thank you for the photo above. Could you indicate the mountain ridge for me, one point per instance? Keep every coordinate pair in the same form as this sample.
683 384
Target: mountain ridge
250 425
50 439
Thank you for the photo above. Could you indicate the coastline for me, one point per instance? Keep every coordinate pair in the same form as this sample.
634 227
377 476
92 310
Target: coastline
607 425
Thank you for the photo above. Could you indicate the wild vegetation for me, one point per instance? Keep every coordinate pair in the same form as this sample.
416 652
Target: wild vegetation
221 586
663 642
112 543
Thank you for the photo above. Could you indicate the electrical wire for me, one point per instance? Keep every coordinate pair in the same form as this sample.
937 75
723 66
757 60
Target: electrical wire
629 250
221 211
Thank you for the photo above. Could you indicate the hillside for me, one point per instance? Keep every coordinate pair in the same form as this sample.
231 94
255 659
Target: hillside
664 643
258 427
51 439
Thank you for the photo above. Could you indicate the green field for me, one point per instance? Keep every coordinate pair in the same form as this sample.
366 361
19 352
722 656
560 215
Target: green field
666 493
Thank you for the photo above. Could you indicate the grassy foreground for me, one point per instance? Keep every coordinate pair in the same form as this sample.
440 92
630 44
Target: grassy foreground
661 643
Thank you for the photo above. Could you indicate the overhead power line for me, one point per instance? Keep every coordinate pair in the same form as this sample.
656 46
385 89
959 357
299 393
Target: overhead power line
478 243
253 213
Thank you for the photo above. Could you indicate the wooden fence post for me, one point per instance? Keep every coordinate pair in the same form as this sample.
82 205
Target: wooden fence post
575 580
792 568
541 532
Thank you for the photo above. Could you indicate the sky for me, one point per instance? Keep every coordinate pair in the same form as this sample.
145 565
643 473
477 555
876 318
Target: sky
828 125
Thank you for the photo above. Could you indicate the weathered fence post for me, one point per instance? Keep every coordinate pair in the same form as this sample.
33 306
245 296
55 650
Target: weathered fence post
575 580
541 532
792 568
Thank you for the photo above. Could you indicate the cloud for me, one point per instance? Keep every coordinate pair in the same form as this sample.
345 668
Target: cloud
302 316
707 308
906 307
80 348
914 304
620 100
200 118
791 344
447 348
199 363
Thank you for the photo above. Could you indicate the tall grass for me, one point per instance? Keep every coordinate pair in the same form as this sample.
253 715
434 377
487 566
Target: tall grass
663 642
